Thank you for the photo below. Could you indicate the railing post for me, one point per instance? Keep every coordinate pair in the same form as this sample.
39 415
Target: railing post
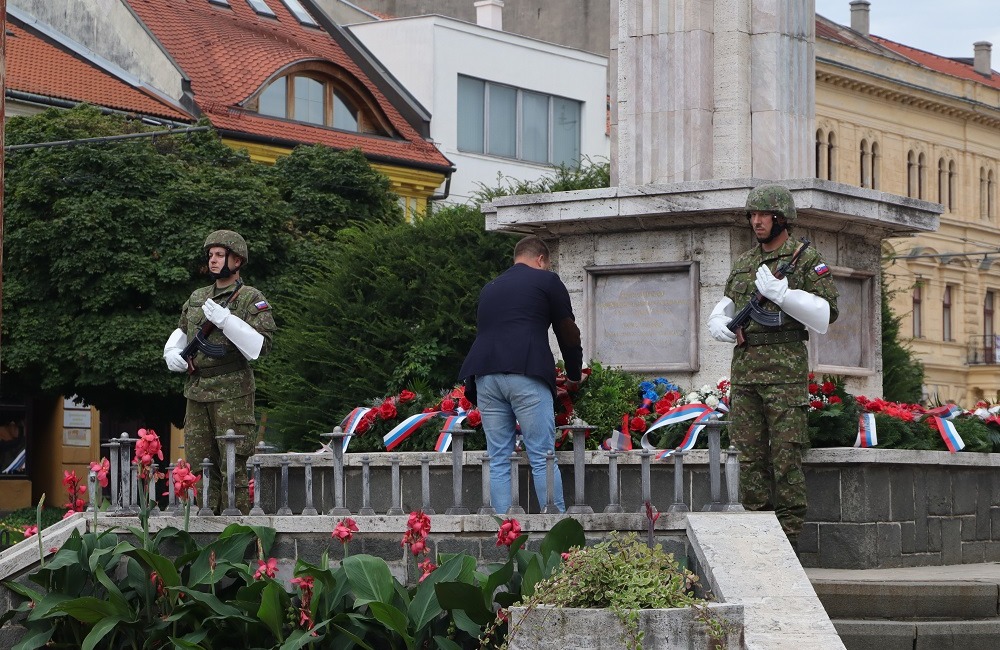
678 505
256 510
337 445
644 458
613 486
206 472
714 428
457 455
114 451
307 466
230 439
425 483
580 430
125 458
396 507
366 488
487 507
515 507
733 481
283 509
550 483
92 489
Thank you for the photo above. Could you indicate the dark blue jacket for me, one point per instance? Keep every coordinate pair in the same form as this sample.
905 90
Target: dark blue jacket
515 312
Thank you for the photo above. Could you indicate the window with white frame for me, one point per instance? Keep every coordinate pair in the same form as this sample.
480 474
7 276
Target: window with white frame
501 120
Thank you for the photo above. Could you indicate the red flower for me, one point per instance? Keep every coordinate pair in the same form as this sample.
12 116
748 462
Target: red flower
69 478
157 581
30 531
417 528
407 396
102 468
387 410
146 448
251 486
835 400
817 404
562 419
642 411
464 403
813 388
447 404
344 530
662 405
637 424
828 388
474 418
363 425
427 567
509 531
184 480
269 568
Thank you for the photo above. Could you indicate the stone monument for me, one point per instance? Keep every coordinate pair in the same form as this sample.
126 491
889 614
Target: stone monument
709 98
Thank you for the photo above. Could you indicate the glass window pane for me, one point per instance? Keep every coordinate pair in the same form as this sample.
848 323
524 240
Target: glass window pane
345 116
300 12
503 121
566 132
535 127
272 100
260 7
471 110
308 100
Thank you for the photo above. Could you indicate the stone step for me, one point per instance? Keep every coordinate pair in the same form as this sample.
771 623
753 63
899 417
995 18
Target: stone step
909 600
860 634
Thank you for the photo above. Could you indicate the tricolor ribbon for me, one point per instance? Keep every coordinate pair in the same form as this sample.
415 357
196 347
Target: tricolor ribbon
618 441
946 412
949 434
350 423
404 429
867 436
698 412
451 422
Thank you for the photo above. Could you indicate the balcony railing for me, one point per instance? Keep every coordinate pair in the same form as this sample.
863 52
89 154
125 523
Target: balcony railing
984 350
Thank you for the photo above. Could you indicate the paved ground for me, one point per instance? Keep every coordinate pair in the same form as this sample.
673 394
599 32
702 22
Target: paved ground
985 573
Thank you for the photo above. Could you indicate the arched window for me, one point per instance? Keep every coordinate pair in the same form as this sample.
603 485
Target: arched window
831 156
946 313
866 164
911 174
918 328
921 176
942 195
991 196
821 148
315 98
984 209
952 180
876 166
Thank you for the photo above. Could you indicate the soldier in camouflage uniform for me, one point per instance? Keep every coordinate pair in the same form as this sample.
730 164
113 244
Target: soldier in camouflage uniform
220 391
770 394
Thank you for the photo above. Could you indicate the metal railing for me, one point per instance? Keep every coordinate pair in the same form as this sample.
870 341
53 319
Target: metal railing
124 484
984 350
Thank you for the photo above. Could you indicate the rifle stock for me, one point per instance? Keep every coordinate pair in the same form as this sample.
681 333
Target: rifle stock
742 319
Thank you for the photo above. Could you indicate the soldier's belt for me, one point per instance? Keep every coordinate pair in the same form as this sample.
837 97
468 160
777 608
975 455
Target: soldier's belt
772 338
224 369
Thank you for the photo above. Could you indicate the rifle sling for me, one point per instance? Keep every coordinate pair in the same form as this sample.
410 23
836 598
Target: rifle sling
772 338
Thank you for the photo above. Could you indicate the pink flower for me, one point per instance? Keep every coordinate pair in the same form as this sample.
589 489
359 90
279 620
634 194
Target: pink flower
565 556
147 447
510 530
305 583
251 486
419 523
30 531
69 513
102 468
157 581
269 568
427 567
184 480
344 530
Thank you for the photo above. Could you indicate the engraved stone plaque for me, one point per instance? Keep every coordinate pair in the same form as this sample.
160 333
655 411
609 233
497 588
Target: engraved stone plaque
643 318
848 342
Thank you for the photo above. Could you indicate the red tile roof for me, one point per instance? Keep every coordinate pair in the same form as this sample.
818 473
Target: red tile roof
39 66
953 67
230 52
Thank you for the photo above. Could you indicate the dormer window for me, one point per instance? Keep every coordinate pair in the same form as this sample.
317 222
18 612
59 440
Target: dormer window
260 7
314 98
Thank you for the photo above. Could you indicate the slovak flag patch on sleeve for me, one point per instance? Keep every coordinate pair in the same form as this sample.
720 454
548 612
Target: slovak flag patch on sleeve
821 269
261 305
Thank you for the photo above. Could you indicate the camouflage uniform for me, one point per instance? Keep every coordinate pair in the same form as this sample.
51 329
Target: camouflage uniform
769 386
220 392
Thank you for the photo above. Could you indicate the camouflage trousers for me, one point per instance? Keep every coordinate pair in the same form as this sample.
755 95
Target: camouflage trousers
769 428
203 421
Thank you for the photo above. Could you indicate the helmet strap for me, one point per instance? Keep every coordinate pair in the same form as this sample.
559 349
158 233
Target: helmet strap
226 272
776 227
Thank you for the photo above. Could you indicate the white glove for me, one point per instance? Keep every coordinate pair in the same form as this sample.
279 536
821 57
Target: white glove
809 309
218 315
721 315
172 351
771 287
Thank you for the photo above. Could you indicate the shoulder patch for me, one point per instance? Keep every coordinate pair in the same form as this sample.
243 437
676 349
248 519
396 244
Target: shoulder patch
821 269
261 305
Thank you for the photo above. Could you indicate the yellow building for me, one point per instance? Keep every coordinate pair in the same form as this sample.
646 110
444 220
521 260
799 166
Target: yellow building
904 121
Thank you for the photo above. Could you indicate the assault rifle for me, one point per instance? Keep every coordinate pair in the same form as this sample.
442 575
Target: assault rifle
200 341
753 309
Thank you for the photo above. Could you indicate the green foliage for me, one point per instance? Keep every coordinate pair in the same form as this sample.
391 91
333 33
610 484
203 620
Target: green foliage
604 397
15 521
104 244
589 175
902 372
393 305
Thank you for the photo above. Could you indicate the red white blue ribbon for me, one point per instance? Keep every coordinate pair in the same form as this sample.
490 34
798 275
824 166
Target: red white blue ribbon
618 441
404 429
946 411
949 434
451 422
867 435
350 423
697 411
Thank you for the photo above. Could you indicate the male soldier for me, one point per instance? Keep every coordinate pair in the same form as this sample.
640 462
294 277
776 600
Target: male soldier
220 384
769 390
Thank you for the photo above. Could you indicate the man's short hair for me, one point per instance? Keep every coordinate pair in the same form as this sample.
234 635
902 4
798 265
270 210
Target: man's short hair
531 246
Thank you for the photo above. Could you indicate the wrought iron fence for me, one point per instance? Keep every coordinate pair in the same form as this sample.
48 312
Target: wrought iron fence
984 350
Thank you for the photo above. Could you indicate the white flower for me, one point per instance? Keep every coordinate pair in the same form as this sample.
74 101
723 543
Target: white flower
706 389
712 401
692 398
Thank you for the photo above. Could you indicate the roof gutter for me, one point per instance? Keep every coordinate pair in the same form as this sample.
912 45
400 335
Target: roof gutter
45 101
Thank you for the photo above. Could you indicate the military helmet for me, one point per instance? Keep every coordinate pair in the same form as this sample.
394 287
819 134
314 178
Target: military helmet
772 198
230 240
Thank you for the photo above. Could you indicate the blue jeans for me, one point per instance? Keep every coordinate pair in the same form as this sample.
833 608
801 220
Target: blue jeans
505 400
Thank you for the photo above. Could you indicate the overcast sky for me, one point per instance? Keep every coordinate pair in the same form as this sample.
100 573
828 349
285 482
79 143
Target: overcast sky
944 27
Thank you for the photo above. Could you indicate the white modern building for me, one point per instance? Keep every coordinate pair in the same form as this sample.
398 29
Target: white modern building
500 104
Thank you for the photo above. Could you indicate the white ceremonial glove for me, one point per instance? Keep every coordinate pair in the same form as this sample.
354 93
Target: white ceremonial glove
172 351
218 315
809 309
771 287
721 315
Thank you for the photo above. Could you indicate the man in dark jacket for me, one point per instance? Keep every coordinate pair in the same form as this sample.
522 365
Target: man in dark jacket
510 373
